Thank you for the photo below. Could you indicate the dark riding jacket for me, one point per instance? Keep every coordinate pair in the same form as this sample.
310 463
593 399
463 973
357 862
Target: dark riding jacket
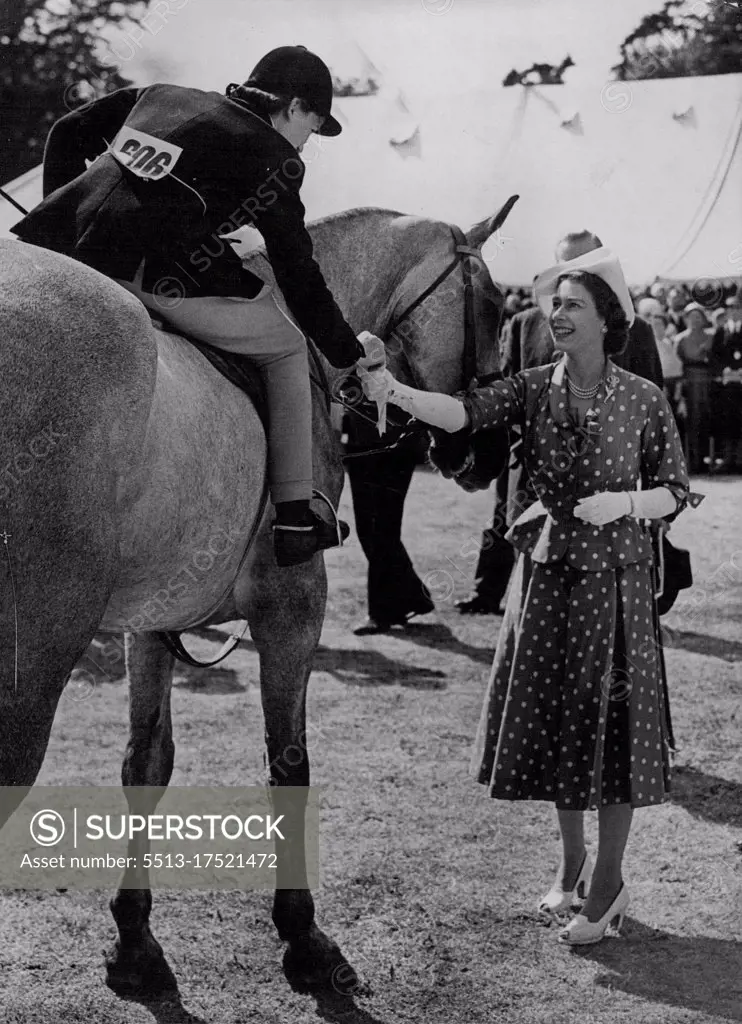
170 208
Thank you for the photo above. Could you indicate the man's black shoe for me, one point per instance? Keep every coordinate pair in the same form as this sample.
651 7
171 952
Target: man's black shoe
373 626
294 544
477 605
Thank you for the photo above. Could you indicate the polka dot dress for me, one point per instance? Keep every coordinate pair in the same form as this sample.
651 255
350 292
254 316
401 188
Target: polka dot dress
574 711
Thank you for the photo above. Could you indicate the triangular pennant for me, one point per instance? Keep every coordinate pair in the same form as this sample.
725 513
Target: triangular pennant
573 123
407 145
686 117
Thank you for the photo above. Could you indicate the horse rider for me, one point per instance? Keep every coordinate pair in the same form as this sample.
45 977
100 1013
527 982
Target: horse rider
144 184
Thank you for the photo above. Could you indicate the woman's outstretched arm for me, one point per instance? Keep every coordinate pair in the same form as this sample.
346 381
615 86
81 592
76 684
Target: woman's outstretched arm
496 405
430 407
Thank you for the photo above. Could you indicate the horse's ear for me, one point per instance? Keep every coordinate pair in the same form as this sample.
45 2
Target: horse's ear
478 235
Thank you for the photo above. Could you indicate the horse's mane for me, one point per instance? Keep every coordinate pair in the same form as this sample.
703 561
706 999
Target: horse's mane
355 212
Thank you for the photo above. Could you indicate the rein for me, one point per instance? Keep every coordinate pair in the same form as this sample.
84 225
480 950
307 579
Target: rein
12 201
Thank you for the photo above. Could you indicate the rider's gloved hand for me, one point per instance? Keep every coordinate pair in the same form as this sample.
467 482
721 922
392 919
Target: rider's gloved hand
374 357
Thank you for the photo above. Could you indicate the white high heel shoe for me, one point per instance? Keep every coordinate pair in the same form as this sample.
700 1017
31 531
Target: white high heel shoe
581 932
557 900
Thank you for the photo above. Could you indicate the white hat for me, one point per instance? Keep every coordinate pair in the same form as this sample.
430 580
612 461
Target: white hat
600 262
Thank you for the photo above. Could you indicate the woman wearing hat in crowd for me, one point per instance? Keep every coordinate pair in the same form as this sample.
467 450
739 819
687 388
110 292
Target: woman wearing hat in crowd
175 170
574 713
694 347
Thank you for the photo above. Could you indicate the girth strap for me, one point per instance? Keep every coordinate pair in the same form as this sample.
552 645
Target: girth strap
174 644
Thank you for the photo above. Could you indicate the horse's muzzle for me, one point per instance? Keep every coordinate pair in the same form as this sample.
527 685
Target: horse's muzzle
486 452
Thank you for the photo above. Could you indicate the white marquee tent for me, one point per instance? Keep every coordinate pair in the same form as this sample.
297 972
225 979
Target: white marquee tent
653 167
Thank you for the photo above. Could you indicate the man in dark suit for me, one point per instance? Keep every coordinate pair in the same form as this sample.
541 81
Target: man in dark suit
677 299
726 353
172 171
379 486
526 341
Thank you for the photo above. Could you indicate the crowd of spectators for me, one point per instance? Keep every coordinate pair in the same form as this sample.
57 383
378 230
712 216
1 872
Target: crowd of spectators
700 348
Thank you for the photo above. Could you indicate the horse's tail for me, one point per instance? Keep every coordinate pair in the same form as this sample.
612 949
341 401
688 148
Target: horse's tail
77 366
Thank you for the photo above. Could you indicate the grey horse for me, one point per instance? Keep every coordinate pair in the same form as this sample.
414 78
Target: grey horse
124 452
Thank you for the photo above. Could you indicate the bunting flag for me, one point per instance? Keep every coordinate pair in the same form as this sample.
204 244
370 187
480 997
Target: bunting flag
408 147
353 72
686 117
370 71
573 123
405 137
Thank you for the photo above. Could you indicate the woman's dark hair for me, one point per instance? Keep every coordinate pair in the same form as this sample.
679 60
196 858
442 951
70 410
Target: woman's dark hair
608 308
265 104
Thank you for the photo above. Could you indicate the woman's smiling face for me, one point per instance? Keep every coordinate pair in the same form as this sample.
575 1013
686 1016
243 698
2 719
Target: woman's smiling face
574 321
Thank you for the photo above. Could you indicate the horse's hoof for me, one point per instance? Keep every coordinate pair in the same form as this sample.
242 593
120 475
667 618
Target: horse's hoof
314 961
140 972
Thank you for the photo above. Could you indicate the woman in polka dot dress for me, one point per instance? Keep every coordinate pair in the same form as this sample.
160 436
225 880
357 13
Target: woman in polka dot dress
574 712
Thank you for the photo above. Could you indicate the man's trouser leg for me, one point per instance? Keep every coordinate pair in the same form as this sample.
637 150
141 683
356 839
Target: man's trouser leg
379 485
258 329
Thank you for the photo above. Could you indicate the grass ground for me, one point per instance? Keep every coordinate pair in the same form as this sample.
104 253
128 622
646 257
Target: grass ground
428 886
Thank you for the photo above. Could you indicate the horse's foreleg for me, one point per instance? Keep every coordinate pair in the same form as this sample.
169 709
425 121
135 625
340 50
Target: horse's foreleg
137 963
285 618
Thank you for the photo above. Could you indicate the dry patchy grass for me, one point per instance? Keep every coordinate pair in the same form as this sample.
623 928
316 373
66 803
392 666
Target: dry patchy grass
428 886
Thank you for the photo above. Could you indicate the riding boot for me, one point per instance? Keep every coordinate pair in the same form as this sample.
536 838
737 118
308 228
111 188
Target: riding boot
299 533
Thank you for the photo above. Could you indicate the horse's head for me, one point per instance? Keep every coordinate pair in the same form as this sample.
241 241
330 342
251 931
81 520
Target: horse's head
423 287
446 337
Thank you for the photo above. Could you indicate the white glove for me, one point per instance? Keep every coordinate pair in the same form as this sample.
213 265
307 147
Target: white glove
377 384
373 364
600 509
438 410
655 503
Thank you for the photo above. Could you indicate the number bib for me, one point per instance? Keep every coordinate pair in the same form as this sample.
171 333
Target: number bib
144 155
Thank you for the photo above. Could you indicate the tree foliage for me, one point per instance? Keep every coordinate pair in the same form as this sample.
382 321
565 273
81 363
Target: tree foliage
52 59
684 39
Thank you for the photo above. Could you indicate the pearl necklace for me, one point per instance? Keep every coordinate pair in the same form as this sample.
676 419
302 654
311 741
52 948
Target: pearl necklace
583 393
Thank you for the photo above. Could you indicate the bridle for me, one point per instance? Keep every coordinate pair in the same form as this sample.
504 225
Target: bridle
462 256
